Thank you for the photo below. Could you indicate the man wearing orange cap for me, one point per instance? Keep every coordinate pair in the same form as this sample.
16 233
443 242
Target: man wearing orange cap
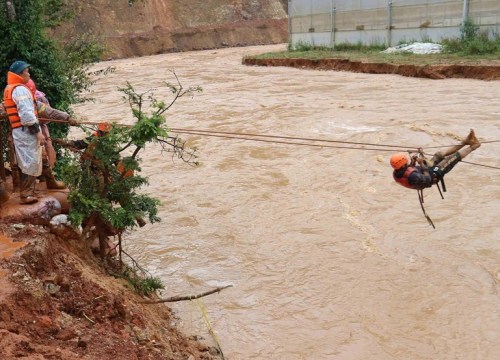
102 129
86 144
28 139
424 175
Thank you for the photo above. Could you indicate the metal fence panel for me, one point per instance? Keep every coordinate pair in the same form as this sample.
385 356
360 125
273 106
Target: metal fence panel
486 13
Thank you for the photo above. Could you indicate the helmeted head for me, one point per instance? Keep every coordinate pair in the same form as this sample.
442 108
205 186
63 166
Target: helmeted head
399 160
104 127
18 67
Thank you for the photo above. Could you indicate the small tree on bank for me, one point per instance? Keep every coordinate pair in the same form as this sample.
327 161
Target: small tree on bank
104 183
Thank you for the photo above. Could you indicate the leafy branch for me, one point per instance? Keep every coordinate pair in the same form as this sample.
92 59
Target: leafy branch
152 128
105 178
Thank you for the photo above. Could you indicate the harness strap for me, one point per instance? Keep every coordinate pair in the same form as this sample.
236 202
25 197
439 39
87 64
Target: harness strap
443 185
439 188
421 200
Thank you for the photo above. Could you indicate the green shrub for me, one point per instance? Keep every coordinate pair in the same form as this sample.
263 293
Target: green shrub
143 285
472 41
57 69
469 30
301 46
359 46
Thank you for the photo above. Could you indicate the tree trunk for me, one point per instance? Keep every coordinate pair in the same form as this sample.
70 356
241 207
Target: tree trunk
103 245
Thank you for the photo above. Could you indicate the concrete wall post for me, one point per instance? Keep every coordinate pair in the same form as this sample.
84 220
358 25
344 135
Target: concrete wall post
389 23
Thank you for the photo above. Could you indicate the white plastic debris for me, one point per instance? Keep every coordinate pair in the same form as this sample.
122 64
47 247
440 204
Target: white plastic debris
61 219
415 48
61 226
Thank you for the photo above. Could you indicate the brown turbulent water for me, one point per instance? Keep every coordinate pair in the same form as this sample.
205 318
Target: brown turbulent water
329 258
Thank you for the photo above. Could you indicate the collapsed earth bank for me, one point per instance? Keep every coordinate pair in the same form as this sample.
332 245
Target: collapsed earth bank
160 26
442 71
58 302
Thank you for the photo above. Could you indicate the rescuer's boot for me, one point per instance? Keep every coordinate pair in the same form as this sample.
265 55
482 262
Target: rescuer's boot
4 195
27 195
50 180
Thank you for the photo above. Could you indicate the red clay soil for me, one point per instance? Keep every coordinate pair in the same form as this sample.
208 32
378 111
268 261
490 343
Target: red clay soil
57 302
480 72
163 26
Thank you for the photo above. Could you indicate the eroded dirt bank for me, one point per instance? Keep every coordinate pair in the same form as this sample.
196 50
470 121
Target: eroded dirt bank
480 72
160 26
56 305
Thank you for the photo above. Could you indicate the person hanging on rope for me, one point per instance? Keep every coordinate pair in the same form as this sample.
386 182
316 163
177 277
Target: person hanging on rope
88 146
419 173
85 144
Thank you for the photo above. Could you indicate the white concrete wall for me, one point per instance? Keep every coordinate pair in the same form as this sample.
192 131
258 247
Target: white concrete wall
329 22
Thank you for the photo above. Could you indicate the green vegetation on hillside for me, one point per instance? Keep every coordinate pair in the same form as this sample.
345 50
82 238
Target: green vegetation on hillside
59 70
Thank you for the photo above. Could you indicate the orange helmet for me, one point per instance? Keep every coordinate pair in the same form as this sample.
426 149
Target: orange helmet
399 160
104 127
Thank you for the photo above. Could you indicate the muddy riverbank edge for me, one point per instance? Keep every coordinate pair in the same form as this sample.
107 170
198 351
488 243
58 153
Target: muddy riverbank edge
479 72
57 302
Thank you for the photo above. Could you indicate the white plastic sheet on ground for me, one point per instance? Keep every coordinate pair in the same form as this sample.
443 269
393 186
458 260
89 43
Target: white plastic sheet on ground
416 48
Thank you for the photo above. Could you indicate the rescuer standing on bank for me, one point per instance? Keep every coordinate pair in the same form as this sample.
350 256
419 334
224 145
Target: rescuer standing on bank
28 139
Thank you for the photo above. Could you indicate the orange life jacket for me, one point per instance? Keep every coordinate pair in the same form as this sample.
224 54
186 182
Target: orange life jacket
124 171
88 155
404 179
13 81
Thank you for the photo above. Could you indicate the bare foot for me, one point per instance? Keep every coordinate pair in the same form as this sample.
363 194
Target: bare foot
472 140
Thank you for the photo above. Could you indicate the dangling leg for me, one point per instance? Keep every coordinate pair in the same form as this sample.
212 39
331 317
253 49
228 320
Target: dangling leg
450 161
469 140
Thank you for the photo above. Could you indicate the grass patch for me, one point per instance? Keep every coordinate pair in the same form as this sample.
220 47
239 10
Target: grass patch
376 56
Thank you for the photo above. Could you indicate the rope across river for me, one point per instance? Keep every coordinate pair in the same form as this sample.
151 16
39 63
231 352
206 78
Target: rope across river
313 142
306 141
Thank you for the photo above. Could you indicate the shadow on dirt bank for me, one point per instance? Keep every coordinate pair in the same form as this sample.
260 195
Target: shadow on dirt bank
479 72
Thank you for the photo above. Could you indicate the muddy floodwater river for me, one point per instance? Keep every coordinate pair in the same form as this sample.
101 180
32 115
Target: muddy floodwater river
329 258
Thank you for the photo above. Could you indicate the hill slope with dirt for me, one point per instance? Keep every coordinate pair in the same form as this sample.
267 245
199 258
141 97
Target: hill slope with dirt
160 26
57 302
